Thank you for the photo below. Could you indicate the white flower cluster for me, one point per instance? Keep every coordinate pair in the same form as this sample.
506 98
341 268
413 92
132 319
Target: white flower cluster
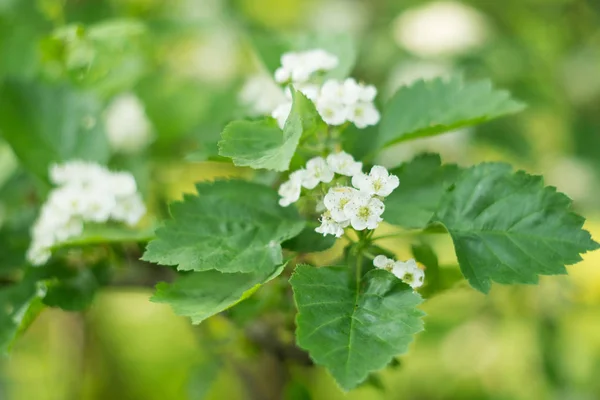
409 272
336 101
127 126
360 206
86 192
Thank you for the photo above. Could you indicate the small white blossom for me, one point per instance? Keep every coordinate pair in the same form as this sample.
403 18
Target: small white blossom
290 189
410 273
363 114
343 163
383 262
333 113
127 126
364 211
379 182
86 192
317 171
336 200
331 227
299 66
260 94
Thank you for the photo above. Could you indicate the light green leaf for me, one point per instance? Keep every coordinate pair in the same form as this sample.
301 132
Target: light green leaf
423 181
429 108
200 295
261 144
353 333
46 124
102 234
15 302
231 226
508 228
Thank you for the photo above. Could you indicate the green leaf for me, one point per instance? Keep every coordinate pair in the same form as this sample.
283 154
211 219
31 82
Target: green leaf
353 333
15 302
200 295
309 241
232 226
271 47
103 234
46 124
261 144
429 108
423 181
508 228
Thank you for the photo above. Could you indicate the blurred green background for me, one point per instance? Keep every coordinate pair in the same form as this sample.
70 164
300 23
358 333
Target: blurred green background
190 66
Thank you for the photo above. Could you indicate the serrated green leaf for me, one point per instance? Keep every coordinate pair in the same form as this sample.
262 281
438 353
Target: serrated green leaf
231 226
429 108
45 124
15 301
353 333
508 228
200 295
423 181
261 144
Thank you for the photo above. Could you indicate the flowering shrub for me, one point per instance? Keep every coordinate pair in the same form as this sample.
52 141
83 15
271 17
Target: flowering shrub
317 190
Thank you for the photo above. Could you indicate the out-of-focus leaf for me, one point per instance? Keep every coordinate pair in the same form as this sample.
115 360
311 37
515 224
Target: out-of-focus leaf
15 301
231 226
309 241
200 295
353 330
429 108
46 124
508 228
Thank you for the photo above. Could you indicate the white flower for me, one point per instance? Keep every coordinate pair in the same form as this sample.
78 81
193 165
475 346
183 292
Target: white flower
281 113
261 95
299 66
379 182
346 92
364 211
333 113
383 262
127 126
343 163
363 114
290 189
336 199
86 192
442 28
317 171
330 226
410 273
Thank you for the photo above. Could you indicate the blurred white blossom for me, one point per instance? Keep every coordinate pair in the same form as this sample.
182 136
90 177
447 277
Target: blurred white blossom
260 95
443 28
127 126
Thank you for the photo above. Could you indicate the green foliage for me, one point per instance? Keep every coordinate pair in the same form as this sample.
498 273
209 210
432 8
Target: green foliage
353 330
200 295
261 144
232 226
429 108
46 124
15 303
423 181
508 228
309 241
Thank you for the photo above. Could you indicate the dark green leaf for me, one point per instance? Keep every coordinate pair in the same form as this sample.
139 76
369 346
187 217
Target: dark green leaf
46 124
200 295
353 332
429 108
423 181
232 226
74 293
508 228
15 301
261 144
309 241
